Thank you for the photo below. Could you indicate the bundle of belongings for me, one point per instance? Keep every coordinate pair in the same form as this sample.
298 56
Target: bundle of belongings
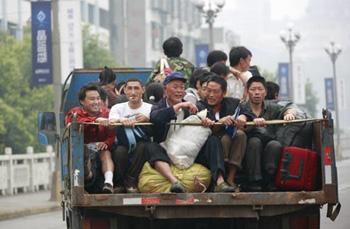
182 148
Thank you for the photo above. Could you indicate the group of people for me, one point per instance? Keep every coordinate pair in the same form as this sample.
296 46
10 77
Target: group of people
232 96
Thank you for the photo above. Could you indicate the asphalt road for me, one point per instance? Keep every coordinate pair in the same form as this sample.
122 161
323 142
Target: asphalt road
53 220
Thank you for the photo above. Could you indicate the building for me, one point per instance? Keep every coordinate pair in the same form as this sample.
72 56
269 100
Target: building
138 30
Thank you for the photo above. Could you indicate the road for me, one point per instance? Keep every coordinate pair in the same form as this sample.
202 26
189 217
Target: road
53 220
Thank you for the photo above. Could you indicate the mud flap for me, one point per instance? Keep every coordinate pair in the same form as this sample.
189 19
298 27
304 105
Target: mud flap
333 213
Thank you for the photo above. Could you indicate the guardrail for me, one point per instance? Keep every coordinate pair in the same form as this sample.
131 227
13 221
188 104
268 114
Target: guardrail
28 172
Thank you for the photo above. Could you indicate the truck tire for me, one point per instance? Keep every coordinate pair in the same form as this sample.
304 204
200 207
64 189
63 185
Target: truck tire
73 219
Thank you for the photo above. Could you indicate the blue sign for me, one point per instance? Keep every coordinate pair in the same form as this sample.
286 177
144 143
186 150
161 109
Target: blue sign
329 87
283 80
202 51
41 43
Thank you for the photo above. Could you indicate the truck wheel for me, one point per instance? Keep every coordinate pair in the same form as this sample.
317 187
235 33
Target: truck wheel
73 219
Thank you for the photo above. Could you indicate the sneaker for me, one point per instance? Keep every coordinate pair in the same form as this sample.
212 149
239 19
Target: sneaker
118 189
177 188
107 188
254 186
224 187
132 189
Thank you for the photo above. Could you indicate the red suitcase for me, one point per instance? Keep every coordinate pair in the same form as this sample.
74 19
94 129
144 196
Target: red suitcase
297 169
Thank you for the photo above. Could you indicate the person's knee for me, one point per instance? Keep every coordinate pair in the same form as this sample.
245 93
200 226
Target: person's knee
105 155
254 143
274 147
120 154
241 135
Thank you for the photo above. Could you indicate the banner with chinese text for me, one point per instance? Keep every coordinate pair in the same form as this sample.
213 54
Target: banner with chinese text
41 43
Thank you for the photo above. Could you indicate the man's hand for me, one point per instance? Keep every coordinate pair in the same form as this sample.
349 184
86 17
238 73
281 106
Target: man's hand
190 106
259 122
207 122
236 73
240 121
102 121
289 117
227 120
128 122
101 146
141 118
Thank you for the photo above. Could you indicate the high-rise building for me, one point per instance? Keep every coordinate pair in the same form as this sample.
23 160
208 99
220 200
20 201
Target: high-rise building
138 30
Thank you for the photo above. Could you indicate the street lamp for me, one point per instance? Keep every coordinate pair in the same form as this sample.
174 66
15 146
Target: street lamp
210 14
333 51
290 38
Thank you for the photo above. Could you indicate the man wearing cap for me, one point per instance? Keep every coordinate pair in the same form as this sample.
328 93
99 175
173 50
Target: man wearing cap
172 109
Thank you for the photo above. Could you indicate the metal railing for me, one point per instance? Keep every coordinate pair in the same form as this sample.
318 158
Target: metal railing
28 172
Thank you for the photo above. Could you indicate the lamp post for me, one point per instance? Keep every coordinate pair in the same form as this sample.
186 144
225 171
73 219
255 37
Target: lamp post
210 14
290 38
333 51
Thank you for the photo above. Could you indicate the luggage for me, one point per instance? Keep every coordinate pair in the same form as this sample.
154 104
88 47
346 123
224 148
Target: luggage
194 179
297 169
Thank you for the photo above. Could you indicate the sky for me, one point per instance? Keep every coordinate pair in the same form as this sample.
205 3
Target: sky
280 9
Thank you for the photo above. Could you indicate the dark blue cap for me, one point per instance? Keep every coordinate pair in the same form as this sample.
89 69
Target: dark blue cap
174 76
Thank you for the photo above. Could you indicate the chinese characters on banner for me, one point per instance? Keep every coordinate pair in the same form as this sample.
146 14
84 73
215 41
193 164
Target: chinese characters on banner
41 43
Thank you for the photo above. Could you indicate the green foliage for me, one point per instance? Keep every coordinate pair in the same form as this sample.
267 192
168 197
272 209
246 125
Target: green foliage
311 100
94 51
20 102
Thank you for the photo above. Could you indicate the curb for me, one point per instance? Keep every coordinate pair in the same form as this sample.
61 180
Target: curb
27 212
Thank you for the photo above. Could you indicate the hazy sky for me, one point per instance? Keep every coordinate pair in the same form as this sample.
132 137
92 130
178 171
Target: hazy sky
279 9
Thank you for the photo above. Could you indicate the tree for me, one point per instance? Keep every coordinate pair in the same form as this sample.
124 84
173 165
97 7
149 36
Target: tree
20 102
311 100
95 55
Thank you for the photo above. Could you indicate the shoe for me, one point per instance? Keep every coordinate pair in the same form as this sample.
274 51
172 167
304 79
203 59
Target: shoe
177 188
118 189
132 189
107 188
253 187
271 187
224 187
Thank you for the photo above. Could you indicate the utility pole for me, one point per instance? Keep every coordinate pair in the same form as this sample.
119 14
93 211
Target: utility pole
210 14
290 40
333 51
57 83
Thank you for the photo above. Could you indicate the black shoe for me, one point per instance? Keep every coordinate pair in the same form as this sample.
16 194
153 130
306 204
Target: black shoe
224 187
107 188
271 187
119 189
177 188
253 187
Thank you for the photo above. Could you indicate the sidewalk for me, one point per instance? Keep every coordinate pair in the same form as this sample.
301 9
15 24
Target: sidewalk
26 204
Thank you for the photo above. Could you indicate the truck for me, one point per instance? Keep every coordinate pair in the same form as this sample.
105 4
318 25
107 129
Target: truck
82 210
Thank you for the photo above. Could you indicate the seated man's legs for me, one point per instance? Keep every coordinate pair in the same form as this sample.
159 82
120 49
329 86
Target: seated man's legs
136 161
234 150
159 160
120 159
271 159
211 156
107 169
253 163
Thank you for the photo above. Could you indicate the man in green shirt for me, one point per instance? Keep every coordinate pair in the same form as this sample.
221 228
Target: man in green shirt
263 151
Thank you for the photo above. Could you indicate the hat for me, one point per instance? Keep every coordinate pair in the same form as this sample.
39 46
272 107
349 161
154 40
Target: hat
174 76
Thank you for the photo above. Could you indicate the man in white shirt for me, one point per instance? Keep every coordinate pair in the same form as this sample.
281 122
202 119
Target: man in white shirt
128 156
240 58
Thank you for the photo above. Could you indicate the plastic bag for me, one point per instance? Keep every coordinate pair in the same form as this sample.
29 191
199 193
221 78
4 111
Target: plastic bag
194 179
182 147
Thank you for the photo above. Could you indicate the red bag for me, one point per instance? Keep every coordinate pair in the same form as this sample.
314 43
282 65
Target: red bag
297 169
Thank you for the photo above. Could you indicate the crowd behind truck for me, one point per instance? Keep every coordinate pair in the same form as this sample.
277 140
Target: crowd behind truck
220 129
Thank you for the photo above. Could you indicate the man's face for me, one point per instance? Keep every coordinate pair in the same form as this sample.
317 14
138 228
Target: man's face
92 102
214 93
256 93
202 90
245 63
175 91
134 91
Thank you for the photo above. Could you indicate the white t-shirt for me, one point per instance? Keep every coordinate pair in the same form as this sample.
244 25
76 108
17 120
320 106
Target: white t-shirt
235 87
121 110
